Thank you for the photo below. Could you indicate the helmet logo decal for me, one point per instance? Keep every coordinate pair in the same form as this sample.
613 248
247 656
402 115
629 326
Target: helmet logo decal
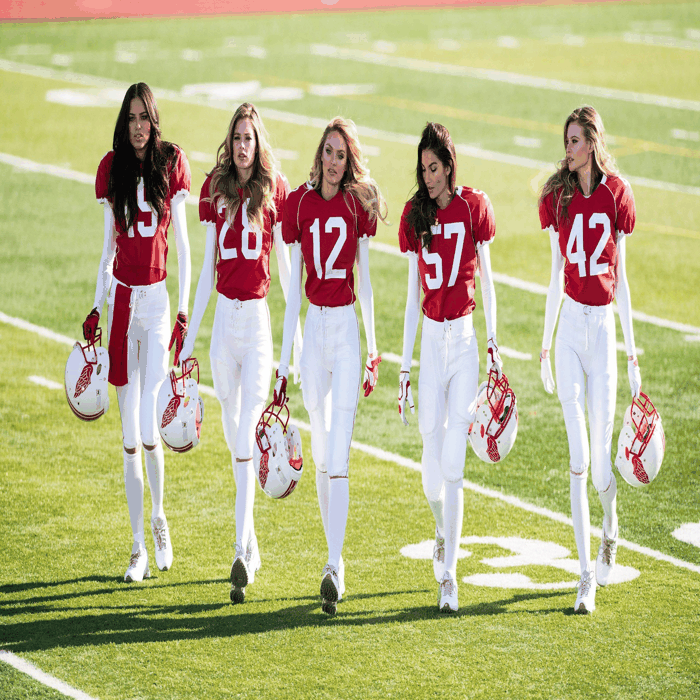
83 381
638 470
171 411
492 449
264 469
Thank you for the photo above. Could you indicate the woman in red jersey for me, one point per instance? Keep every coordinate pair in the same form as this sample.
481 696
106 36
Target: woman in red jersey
588 210
241 205
328 222
143 183
445 231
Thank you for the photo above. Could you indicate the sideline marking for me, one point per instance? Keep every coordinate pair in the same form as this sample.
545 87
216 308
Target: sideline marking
499 76
319 123
39 675
502 278
43 381
415 466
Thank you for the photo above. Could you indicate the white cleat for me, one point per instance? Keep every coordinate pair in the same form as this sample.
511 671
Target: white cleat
330 589
240 576
161 539
585 600
439 557
447 596
605 561
252 558
138 565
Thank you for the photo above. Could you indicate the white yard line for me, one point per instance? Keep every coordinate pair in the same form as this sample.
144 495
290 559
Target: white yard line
43 381
415 466
498 76
39 675
320 123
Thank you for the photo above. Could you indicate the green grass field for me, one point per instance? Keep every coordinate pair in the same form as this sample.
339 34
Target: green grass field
502 80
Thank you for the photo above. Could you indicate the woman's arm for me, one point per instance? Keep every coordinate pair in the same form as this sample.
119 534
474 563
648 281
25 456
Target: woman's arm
624 309
488 296
555 294
410 327
205 285
366 297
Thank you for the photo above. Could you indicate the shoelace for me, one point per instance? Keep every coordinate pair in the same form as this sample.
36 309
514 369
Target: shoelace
584 584
160 533
609 548
328 569
447 586
134 558
439 549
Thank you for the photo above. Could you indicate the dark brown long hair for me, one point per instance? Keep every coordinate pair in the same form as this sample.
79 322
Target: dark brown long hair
223 188
423 214
603 163
127 168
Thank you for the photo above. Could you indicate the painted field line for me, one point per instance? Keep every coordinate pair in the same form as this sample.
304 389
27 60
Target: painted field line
43 381
39 675
415 466
540 289
320 123
531 81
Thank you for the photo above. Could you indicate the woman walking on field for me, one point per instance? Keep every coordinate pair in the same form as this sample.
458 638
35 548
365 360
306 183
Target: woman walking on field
589 211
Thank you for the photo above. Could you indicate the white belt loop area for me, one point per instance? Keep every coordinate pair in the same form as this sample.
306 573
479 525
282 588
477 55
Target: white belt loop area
449 328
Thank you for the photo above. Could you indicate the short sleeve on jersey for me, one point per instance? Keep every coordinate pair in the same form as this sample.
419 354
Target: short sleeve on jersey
484 220
281 193
207 215
408 241
102 177
290 216
626 211
366 226
547 218
180 176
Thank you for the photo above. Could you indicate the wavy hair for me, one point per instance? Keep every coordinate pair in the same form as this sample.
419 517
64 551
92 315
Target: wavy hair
423 213
224 185
356 179
127 168
603 163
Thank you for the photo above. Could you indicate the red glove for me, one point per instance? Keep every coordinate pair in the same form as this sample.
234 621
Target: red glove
371 374
280 394
90 326
178 337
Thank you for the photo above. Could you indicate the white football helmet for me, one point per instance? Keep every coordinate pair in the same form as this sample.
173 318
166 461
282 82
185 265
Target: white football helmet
180 409
277 452
85 379
641 446
495 426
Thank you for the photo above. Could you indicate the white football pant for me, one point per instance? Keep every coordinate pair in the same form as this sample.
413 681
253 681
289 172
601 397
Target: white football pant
331 368
447 388
586 368
241 366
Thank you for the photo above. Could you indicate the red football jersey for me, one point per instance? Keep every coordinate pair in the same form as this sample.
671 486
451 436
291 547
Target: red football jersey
143 249
588 237
448 269
243 250
329 232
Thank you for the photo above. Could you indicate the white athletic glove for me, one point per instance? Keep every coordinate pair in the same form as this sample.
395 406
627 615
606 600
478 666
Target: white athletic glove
280 394
546 372
493 358
405 395
187 348
634 375
371 374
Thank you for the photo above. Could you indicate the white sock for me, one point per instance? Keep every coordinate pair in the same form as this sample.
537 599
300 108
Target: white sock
580 514
454 514
155 470
322 490
608 499
133 484
245 498
338 506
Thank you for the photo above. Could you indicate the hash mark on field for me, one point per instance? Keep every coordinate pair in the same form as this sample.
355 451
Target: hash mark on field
39 675
43 381
410 464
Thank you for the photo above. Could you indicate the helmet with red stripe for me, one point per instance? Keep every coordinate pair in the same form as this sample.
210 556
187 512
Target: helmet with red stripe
277 452
85 379
179 408
495 427
642 443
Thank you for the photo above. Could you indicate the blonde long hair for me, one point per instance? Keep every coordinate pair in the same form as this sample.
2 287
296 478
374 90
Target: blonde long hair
356 180
224 185
603 163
